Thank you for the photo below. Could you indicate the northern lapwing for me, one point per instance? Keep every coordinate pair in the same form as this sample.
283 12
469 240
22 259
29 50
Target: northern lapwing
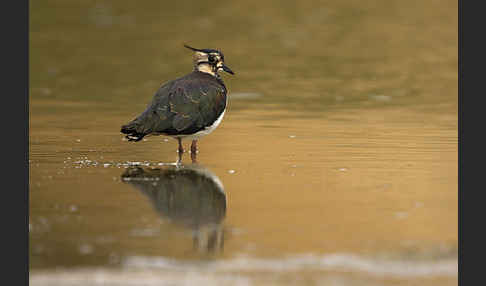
189 107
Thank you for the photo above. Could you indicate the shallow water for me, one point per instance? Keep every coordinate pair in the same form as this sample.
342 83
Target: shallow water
335 164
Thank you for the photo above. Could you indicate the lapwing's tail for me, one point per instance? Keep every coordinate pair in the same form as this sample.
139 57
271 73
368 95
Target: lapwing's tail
146 123
134 131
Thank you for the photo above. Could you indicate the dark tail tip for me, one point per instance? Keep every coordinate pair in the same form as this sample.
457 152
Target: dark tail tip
132 134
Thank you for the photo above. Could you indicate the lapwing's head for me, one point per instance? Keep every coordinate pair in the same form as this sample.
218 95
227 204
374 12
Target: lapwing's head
209 61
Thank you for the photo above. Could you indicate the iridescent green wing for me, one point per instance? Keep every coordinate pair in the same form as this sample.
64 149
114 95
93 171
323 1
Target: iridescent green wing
188 105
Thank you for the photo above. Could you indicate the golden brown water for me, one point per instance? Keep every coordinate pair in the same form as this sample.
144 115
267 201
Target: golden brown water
335 164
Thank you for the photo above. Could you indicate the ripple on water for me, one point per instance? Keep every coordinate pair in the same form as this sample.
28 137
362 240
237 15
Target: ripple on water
93 163
329 262
332 269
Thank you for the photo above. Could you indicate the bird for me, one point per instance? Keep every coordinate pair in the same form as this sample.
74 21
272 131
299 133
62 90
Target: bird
189 107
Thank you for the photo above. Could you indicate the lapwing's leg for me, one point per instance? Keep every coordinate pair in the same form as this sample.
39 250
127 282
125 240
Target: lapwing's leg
181 149
194 146
179 158
194 151
194 158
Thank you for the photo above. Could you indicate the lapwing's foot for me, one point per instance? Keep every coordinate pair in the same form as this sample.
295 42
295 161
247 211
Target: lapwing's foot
179 157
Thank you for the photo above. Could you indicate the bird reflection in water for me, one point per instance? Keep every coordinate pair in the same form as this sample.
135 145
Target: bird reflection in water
188 195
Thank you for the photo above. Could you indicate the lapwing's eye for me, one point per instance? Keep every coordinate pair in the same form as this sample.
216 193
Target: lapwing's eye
211 59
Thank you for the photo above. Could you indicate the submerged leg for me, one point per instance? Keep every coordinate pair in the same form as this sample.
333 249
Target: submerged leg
194 151
194 146
179 157
181 149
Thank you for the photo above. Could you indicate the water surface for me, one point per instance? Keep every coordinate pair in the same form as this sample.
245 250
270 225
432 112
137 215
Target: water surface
335 164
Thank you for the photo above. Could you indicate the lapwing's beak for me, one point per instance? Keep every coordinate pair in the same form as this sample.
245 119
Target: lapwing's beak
227 69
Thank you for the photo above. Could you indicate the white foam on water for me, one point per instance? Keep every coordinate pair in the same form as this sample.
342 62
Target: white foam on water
333 269
331 262
94 277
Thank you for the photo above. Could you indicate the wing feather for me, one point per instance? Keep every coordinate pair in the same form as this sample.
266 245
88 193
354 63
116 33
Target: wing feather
184 106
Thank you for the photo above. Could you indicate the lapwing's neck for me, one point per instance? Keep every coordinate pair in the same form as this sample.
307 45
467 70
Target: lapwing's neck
205 68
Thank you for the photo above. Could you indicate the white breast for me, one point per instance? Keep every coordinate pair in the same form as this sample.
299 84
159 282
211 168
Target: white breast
206 130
